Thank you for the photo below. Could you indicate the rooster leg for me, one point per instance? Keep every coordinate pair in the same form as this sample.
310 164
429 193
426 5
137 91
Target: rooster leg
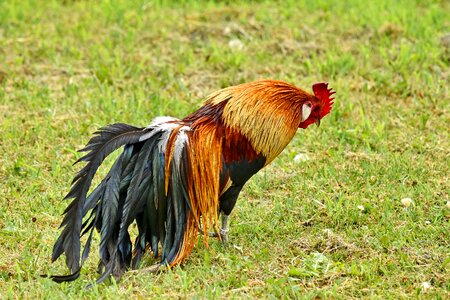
224 229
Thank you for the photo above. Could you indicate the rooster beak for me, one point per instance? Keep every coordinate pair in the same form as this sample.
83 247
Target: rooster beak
317 122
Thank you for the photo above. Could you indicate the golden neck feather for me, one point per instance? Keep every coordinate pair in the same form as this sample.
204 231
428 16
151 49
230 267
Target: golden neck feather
266 112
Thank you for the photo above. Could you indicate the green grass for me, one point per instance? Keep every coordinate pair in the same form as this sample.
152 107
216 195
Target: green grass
329 227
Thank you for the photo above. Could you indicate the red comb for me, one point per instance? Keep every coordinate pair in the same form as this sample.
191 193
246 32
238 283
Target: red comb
324 94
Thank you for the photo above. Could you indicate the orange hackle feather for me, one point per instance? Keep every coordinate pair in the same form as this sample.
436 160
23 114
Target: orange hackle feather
203 190
266 112
204 159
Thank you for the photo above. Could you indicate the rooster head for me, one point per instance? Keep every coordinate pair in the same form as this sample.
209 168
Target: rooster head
319 105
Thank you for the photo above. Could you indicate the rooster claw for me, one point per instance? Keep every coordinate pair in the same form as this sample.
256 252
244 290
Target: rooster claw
223 235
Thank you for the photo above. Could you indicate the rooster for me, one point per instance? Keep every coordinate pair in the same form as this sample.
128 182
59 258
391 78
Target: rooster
175 177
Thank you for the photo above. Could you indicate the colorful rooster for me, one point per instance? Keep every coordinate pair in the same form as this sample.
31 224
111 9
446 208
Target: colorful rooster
174 177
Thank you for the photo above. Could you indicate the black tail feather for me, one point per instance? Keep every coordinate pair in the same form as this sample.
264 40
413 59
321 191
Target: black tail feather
133 190
106 140
64 278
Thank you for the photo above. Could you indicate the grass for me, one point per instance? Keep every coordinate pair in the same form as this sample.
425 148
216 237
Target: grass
332 226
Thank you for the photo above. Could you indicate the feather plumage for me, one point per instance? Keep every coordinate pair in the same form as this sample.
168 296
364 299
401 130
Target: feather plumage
175 176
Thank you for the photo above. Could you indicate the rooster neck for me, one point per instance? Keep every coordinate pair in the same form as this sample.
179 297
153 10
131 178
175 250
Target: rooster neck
266 112
268 126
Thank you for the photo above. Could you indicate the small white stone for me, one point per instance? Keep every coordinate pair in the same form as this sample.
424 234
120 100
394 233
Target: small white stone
448 204
406 202
426 285
427 222
361 207
227 30
235 44
301 157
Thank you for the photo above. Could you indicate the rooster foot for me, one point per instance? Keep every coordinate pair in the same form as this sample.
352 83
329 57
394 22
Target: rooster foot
223 230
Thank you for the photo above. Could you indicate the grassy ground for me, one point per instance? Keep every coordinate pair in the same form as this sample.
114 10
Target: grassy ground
330 224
